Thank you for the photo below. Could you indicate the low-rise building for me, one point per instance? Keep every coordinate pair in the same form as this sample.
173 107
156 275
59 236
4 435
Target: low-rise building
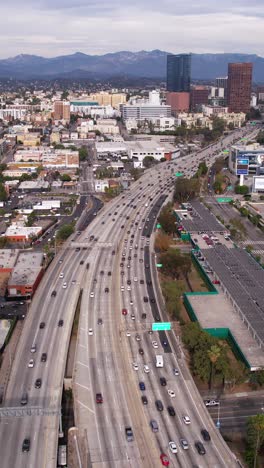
100 185
38 185
26 274
18 234
8 258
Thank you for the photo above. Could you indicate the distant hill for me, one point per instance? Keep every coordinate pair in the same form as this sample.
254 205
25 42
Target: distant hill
150 64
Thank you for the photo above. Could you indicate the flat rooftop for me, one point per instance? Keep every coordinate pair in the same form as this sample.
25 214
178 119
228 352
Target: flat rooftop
201 220
27 268
8 258
216 311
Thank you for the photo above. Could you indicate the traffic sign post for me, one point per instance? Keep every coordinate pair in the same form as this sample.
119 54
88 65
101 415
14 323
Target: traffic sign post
224 199
156 326
158 226
159 265
178 174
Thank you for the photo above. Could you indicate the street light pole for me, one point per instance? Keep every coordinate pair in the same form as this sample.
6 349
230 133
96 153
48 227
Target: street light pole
218 424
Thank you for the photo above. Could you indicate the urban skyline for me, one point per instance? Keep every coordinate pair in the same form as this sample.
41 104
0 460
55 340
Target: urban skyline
206 27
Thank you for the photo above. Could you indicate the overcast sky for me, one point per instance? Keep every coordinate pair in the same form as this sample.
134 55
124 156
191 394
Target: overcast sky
60 27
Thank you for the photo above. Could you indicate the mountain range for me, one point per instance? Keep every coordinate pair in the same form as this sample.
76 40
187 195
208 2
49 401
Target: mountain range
149 64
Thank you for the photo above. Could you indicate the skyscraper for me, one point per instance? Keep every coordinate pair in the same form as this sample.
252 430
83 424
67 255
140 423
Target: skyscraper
239 86
178 73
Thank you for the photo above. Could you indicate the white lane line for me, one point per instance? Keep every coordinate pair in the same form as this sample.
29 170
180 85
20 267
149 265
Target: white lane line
82 364
86 407
82 386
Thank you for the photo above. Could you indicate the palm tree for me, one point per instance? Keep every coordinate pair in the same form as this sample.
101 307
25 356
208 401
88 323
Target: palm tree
214 353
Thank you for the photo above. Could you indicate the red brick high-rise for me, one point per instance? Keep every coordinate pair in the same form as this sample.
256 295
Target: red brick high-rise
239 87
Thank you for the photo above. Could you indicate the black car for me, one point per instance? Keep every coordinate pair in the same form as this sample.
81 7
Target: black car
144 316
152 300
205 435
107 290
26 445
145 299
144 400
163 381
81 262
109 273
100 321
200 448
42 325
43 357
38 383
141 351
102 272
54 293
159 405
141 281
171 411
128 281
60 323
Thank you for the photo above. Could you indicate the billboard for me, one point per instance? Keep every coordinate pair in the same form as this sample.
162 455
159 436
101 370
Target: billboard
242 166
258 184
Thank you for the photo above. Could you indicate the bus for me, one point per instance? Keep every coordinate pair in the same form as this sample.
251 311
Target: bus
159 360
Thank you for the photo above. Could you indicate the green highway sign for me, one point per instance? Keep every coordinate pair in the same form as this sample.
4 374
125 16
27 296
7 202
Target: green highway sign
224 199
156 326
159 265
178 174
158 226
226 151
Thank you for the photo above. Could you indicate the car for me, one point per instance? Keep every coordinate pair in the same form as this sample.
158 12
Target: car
145 299
81 262
90 332
216 282
200 448
144 400
173 447
175 371
163 381
100 321
33 348
106 290
102 272
146 369
186 419
133 317
184 444
171 393
137 337
135 366
205 434
38 383
26 445
99 398
60 261
171 411
152 300
60 323
24 399
211 402
164 460
135 279
141 281
131 302
141 351
129 288
64 286
143 316
155 344
92 294
43 357
31 363
109 273
159 405
53 294
142 386
128 333
61 275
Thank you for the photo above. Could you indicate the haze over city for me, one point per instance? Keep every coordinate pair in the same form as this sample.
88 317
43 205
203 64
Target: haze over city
59 27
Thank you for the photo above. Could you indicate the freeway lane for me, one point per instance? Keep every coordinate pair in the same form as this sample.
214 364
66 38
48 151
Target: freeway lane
43 430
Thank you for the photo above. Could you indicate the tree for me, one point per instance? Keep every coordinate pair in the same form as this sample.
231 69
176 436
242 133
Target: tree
64 95
31 219
3 194
231 126
260 137
65 178
255 435
83 153
175 264
149 161
186 189
25 177
65 231
162 242
238 229
167 220
214 354
242 189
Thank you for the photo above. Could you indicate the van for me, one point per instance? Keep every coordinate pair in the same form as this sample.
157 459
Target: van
24 399
154 426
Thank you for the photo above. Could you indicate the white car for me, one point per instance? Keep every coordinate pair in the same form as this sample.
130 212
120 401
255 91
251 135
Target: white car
31 363
175 372
135 279
133 317
128 333
33 348
129 288
64 286
122 288
173 447
131 303
61 275
146 369
92 294
171 393
138 338
155 344
135 366
73 281
90 332
186 419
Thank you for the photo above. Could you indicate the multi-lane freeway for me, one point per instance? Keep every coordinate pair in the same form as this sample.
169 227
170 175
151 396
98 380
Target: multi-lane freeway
111 263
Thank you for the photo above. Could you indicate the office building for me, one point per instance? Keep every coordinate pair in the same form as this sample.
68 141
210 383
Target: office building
239 87
199 97
221 83
62 110
141 112
178 73
179 102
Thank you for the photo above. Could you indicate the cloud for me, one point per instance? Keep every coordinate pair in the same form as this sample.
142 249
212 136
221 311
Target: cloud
57 27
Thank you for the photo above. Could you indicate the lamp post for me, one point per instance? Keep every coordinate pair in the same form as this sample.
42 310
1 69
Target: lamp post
218 424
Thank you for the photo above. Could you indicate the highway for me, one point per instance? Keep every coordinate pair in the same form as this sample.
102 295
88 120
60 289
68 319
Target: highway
104 358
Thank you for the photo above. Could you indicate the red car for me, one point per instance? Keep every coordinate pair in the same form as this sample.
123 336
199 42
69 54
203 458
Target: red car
99 398
164 460
124 311
216 282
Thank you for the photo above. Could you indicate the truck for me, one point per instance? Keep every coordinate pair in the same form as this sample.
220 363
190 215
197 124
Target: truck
159 360
129 434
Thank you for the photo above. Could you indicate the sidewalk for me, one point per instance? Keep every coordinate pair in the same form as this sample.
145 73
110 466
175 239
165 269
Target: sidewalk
8 357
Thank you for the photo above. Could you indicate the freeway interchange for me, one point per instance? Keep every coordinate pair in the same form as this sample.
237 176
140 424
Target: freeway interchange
113 252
